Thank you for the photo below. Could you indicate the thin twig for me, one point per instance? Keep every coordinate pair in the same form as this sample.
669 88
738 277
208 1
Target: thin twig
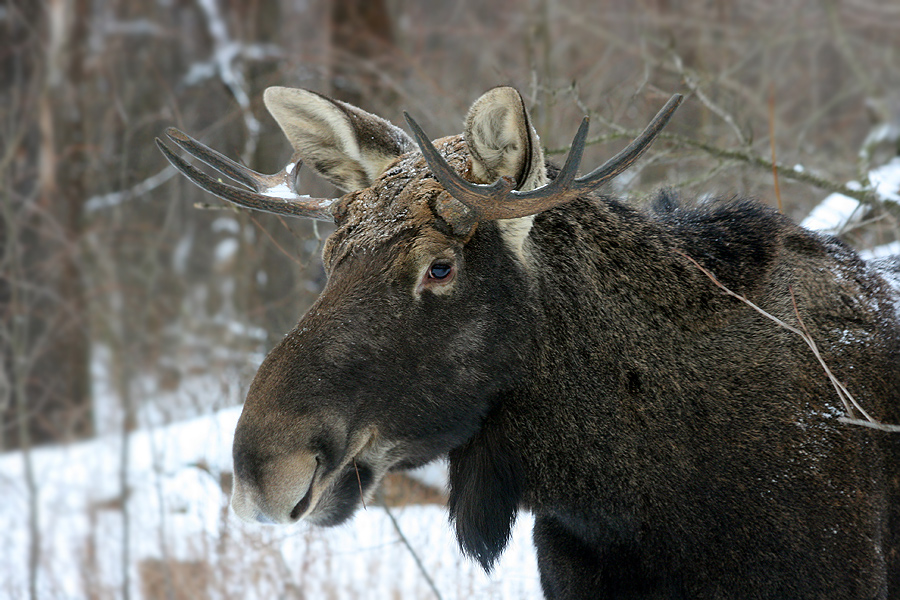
847 399
294 259
842 392
707 102
274 241
412 552
870 424
702 178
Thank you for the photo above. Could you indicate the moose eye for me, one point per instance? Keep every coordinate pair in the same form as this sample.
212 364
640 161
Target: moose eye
440 272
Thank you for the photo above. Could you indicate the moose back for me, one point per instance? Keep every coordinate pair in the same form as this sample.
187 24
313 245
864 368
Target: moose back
576 357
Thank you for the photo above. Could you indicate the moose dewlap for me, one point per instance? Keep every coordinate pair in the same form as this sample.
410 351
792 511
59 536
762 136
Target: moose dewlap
576 357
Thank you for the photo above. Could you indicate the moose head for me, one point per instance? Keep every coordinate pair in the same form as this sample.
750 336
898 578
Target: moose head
428 310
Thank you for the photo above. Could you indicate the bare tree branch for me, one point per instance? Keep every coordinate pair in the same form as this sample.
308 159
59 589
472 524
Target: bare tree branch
95 203
691 81
865 195
226 51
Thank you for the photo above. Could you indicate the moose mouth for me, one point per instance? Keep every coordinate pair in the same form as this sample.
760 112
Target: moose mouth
340 500
301 507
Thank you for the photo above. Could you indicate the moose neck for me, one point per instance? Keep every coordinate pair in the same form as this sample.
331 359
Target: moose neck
616 289
600 272
619 290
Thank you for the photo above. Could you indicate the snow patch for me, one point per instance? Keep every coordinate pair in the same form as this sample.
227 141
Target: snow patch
886 180
833 214
883 251
281 191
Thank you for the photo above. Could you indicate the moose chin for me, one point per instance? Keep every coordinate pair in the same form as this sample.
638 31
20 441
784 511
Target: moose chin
574 356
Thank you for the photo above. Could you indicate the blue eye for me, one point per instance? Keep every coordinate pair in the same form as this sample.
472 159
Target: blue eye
440 271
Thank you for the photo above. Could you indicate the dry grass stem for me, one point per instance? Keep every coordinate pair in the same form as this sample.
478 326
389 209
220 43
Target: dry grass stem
359 481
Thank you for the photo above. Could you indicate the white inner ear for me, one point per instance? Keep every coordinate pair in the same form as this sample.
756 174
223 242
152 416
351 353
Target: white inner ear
343 143
323 121
497 135
503 143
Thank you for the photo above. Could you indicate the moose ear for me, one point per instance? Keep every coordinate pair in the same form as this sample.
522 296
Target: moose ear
502 141
344 144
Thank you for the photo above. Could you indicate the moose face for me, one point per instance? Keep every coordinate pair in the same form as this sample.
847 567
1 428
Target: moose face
429 311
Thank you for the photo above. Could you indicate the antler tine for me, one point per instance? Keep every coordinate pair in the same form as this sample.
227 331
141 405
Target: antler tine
298 206
633 151
218 161
558 191
500 200
470 194
563 181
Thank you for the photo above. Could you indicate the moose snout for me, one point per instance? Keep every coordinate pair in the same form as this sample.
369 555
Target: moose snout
282 493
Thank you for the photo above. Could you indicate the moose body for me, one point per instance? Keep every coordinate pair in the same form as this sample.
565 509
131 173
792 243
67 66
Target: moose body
574 360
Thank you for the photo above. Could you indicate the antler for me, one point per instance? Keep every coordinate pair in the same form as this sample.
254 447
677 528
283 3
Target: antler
275 193
500 200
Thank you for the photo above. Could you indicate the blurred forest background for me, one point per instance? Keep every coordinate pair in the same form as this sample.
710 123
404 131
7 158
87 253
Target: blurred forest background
110 275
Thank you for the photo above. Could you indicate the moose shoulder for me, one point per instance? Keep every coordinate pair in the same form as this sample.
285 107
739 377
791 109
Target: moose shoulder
570 356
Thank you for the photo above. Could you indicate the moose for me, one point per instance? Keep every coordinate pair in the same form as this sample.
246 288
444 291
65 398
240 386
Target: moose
576 356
